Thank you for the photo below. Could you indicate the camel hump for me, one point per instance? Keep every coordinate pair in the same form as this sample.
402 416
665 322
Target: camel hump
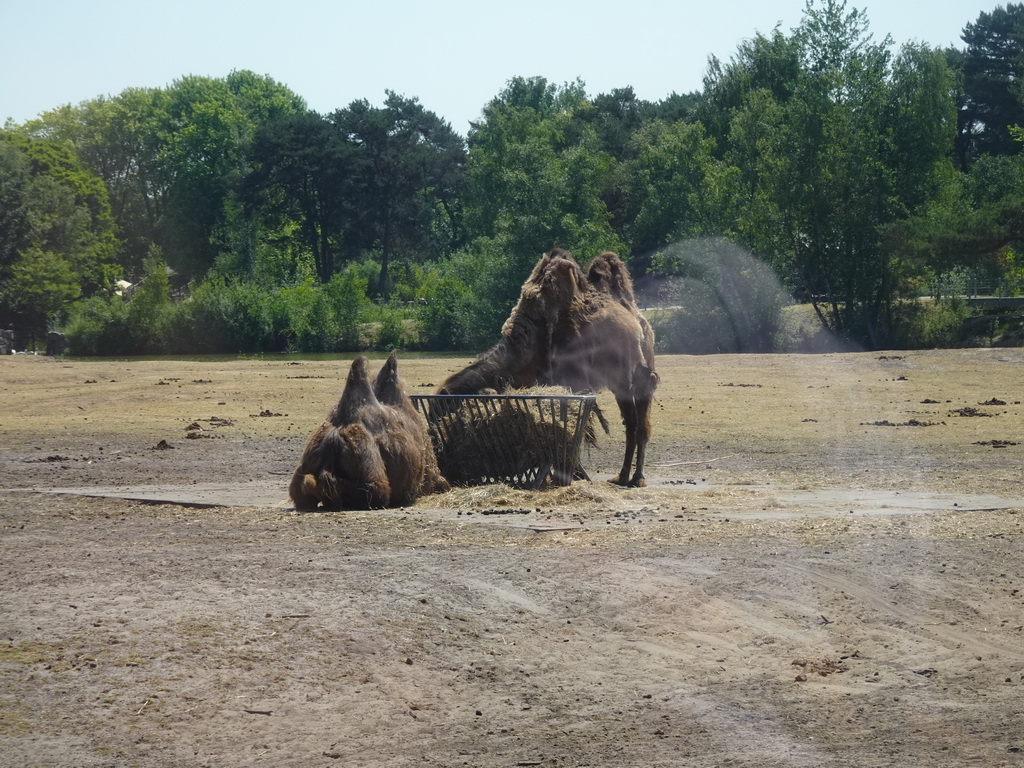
387 386
608 274
356 395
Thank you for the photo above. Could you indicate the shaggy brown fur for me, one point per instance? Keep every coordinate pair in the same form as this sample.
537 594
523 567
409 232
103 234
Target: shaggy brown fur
578 330
371 452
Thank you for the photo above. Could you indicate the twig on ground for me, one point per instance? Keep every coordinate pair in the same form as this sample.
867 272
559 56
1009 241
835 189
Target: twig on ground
685 463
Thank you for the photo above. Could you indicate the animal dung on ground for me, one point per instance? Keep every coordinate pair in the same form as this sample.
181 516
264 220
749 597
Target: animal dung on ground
526 441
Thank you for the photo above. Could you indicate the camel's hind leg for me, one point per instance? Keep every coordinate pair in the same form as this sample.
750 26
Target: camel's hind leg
627 407
636 417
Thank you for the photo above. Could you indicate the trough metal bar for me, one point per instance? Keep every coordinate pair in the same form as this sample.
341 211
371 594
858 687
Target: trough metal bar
487 436
556 458
439 432
542 453
465 424
538 427
531 476
560 468
490 472
567 453
586 414
493 440
501 441
586 411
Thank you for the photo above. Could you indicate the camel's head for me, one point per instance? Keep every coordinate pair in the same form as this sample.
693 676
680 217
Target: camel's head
548 299
342 470
562 286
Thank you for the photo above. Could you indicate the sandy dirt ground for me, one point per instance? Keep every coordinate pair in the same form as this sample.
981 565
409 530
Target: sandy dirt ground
826 569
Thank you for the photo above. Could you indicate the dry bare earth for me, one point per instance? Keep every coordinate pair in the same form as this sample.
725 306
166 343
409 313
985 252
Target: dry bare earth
804 583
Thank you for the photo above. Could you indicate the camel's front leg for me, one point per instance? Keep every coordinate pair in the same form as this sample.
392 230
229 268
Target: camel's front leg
638 480
629 420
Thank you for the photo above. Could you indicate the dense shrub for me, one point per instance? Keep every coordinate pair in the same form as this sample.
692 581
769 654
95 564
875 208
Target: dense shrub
100 326
388 328
117 326
440 319
346 295
220 316
311 326
928 324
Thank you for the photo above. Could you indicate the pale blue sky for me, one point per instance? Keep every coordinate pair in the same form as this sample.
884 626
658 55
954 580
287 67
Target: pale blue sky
454 55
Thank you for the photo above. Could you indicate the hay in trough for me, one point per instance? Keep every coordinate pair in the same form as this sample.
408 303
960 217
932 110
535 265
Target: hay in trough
526 441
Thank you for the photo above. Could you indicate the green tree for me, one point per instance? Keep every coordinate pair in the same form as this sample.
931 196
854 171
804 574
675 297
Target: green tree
755 149
411 170
57 241
303 178
201 142
677 189
838 189
172 159
69 212
616 117
40 285
764 64
535 179
117 139
15 230
744 107
922 123
835 142
993 66
975 223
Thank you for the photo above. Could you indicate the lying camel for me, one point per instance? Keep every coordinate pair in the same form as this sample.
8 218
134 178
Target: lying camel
371 452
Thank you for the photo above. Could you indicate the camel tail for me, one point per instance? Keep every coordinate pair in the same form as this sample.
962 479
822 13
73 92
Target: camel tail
653 379
603 421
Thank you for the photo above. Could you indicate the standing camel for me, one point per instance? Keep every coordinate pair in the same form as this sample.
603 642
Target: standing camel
578 330
372 450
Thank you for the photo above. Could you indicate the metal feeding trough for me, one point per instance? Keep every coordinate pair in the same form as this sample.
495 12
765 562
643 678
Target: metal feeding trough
524 441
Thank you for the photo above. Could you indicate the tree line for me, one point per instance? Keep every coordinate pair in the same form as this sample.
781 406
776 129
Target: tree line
857 174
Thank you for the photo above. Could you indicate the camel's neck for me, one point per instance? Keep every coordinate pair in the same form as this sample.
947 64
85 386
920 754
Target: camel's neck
502 367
